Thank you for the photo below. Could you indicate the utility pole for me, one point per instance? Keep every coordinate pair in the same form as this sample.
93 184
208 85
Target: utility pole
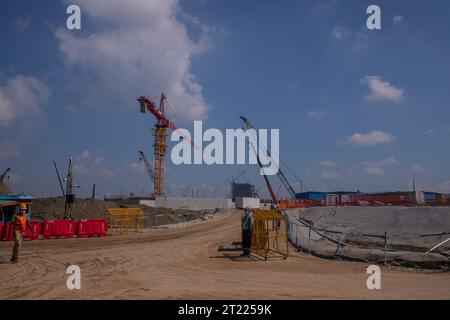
70 196
93 191
414 191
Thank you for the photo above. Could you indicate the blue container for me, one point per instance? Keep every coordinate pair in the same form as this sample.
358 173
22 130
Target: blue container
311 195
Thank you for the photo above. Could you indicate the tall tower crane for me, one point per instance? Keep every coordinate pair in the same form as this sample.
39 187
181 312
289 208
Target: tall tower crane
160 136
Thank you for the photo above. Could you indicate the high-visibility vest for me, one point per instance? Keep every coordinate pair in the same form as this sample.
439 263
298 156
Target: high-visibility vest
246 221
18 222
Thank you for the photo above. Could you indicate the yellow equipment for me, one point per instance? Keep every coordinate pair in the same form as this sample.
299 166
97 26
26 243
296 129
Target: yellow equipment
269 237
123 221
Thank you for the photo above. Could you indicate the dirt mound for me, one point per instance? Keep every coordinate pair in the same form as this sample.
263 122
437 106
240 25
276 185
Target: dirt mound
4 189
53 208
361 232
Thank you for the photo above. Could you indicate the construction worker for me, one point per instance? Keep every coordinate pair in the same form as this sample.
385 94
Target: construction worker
19 222
247 228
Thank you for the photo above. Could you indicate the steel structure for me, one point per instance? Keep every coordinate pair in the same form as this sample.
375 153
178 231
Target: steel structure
160 137
280 174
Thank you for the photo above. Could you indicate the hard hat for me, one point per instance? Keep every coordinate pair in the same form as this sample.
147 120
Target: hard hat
23 206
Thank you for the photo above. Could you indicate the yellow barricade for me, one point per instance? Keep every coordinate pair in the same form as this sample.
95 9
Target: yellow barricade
123 221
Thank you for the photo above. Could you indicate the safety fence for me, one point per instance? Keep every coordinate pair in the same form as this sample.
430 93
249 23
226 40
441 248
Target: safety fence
120 221
269 236
123 221
305 237
58 229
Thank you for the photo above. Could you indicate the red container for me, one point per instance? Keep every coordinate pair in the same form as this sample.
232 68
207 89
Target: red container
59 229
34 232
1 230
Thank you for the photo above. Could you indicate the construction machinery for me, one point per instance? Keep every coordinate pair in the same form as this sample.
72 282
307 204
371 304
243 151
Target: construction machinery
280 174
160 136
284 204
160 139
148 167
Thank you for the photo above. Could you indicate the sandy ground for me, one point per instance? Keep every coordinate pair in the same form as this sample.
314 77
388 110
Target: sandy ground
183 263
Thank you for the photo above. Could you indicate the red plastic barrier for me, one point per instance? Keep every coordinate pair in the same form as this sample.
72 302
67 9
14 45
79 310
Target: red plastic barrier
8 232
91 228
59 229
1 230
34 232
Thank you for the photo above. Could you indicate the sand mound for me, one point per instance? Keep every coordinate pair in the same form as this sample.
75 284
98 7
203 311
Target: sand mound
53 208
410 231
4 189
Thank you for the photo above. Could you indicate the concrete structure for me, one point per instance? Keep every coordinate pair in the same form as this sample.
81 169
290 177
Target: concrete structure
243 190
193 203
242 203
131 201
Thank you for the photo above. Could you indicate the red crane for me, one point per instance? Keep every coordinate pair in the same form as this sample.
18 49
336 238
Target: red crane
160 136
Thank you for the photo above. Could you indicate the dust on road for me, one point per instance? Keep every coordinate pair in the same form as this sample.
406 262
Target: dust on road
183 263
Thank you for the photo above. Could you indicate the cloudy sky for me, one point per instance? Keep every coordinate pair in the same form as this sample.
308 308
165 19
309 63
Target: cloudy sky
357 109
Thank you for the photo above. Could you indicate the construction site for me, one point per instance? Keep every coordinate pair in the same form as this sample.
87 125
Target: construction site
311 245
209 150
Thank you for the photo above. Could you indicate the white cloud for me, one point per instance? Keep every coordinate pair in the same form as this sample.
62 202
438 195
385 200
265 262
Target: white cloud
430 131
99 160
339 33
15 178
21 24
317 114
10 151
137 167
369 139
417 168
85 164
22 97
378 167
327 163
398 19
382 90
141 49
106 174
329 175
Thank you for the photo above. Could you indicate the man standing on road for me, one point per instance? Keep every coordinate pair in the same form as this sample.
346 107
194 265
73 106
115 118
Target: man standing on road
19 223
247 228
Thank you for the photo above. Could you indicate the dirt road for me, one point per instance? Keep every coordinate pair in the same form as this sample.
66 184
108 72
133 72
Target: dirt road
183 263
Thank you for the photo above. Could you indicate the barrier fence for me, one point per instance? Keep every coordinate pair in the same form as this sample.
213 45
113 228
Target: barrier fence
123 221
58 229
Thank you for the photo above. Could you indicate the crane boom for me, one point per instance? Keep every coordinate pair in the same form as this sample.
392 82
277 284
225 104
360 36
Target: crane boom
147 164
2 177
280 173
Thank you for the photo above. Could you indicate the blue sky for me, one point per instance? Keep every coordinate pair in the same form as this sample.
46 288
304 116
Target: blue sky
357 109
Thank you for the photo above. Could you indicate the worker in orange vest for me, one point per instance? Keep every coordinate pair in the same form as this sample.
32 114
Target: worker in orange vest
19 223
